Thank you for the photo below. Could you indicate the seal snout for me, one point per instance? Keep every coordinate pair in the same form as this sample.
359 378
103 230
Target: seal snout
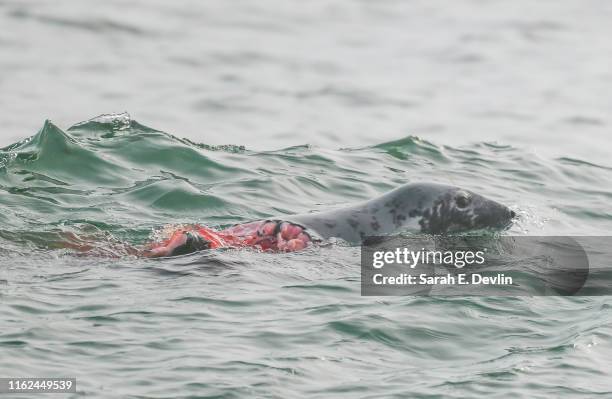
506 220
508 213
502 216
492 214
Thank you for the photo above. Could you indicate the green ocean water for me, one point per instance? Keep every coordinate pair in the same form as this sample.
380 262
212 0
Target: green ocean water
239 323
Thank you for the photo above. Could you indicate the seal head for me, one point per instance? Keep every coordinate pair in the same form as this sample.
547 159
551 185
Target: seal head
458 210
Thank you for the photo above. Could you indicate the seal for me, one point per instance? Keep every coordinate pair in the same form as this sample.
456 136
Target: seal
418 207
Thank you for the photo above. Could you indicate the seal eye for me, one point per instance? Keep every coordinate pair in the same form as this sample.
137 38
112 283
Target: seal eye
462 201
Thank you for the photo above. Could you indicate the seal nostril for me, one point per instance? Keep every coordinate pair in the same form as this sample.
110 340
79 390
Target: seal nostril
512 214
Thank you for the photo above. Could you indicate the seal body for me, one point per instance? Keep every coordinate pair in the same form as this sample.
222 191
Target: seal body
419 207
